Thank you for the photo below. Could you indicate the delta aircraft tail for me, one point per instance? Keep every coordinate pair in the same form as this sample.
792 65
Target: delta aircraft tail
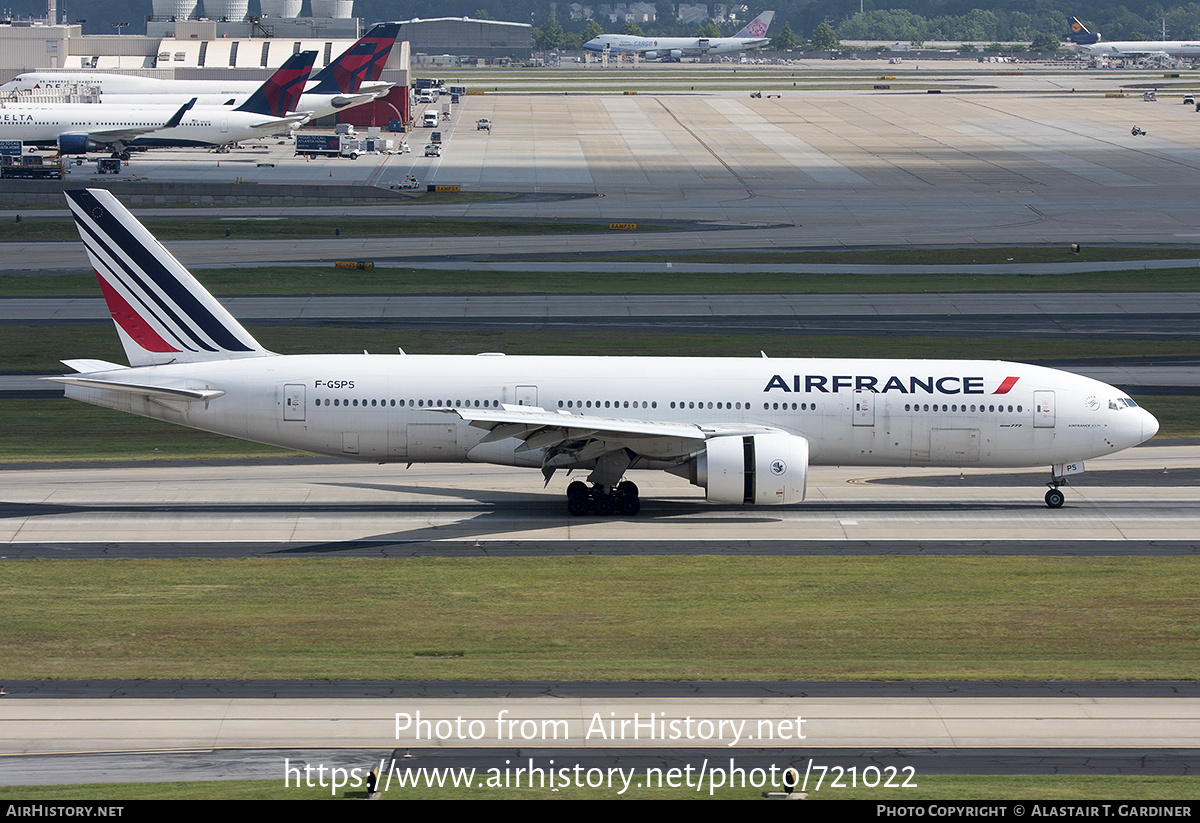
757 27
281 93
362 62
162 314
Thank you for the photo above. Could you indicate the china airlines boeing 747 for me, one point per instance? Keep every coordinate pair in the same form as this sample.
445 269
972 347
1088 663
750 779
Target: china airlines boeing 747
745 430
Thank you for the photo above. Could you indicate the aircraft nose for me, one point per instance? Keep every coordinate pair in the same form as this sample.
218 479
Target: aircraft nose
1149 425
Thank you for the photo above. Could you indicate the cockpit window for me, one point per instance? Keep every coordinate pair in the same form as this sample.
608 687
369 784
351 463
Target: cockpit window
1122 403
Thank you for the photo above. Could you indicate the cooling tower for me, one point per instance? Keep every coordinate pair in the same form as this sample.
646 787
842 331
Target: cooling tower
179 9
340 9
280 8
231 10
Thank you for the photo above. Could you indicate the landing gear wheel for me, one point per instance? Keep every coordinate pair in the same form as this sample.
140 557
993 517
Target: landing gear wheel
1055 499
577 506
626 494
577 489
605 505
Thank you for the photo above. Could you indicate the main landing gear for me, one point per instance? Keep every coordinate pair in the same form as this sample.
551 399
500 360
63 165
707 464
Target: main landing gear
604 501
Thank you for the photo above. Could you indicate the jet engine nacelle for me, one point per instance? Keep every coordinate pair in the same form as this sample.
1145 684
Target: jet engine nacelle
767 469
651 55
76 144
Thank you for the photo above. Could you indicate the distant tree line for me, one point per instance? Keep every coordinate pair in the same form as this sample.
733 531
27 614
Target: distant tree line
1003 21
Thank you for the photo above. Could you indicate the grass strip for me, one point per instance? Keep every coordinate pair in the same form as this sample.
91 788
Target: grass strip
969 256
1090 788
602 618
284 228
325 279
38 349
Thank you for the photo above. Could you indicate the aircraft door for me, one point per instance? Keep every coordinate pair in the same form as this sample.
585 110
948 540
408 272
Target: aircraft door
527 395
293 401
864 408
1043 409
224 125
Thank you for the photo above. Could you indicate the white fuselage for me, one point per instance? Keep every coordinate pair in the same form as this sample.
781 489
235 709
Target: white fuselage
1139 48
666 46
132 91
44 124
852 412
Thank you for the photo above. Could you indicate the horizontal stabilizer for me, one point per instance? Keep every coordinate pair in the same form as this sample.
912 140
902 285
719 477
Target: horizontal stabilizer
85 365
164 392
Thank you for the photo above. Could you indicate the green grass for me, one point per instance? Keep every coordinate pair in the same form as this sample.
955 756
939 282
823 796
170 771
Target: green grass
193 228
1091 788
975 255
38 349
325 279
57 429
598 618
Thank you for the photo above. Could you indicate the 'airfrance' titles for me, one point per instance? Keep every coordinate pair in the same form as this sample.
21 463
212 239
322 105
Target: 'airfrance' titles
898 385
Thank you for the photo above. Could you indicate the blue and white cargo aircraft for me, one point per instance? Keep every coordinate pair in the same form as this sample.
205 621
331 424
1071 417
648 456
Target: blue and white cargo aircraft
745 430
1090 43
753 36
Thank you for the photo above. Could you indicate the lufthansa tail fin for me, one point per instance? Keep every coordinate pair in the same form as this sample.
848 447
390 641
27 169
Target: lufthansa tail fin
361 62
162 314
1079 35
281 93
757 27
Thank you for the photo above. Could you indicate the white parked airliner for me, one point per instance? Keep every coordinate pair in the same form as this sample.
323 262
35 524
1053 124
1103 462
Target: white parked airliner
78 128
753 36
743 429
349 80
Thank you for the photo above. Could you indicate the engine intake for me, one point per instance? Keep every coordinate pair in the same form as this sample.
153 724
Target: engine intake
769 469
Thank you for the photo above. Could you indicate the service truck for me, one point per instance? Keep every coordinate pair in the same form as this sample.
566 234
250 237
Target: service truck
329 145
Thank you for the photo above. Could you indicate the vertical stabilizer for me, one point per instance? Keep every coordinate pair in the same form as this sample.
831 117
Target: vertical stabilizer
281 93
757 27
364 61
1080 35
163 315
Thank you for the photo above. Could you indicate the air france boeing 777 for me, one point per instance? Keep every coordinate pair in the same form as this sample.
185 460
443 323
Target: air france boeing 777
745 430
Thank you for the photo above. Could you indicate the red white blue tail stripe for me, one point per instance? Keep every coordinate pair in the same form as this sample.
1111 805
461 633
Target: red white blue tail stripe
162 313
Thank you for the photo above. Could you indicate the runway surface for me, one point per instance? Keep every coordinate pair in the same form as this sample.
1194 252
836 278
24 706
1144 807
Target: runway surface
1145 499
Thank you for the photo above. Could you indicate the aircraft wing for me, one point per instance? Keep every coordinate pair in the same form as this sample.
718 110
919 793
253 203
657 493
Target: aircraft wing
570 439
124 135
538 427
